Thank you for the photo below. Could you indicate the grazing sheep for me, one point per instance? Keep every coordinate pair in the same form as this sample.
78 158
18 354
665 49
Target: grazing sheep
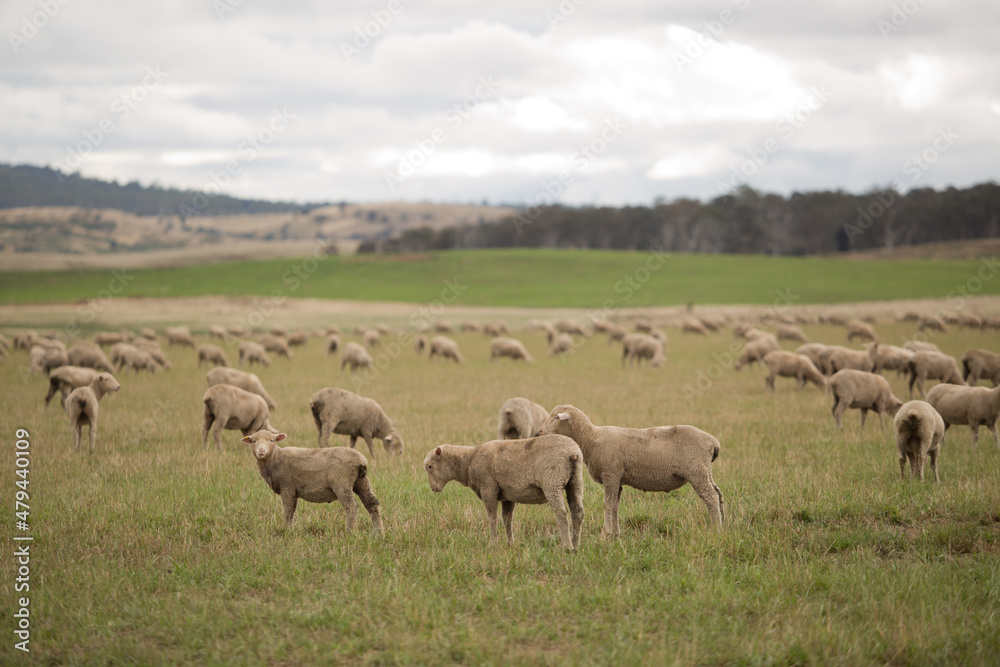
239 332
89 355
754 351
276 345
359 330
444 347
110 337
932 322
231 408
970 321
932 366
298 339
639 347
217 331
791 332
44 359
570 327
342 412
978 363
921 346
332 329
662 458
790 364
332 343
713 323
837 358
67 378
616 333
919 430
561 344
813 351
520 419
509 347
253 353
315 475
212 355
442 327
279 332
890 357
355 356
179 336
860 329
532 472
154 351
420 344
471 327
967 405
148 333
495 329
991 322
131 357
694 326
82 405
861 389
908 316
372 338
643 325
246 381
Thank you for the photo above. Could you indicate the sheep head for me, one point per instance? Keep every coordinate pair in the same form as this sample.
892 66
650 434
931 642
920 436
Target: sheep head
393 443
439 469
263 443
560 421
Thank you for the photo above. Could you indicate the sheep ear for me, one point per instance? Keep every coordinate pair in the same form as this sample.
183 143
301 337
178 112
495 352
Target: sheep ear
279 437
388 438
437 451
563 416
247 440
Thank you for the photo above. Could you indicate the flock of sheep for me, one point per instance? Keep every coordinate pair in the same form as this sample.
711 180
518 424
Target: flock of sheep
539 454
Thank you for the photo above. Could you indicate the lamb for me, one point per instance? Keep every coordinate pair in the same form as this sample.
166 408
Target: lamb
932 366
978 363
639 347
532 471
661 458
509 347
340 411
967 405
791 332
82 406
372 338
860 329
356 356
89 355
67 378
837 358
445 348
332 343
755 350
919 431
246 381
253 353
561 344
212 355
891 357
860 389
790 364
276 345
520 419
231 408
691 325
315 475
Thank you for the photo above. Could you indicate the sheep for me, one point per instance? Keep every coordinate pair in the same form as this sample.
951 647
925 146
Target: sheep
509 347
836 358
967 405
231 408
67 378
638 347
932 322
662 458
616 333
550 331
356 356
239 331
82 406
919 430
44 359
332 329
154 351
372 338
212 355
179 336
529 471
691 325
813 351
359 330
470 327
148 333
791 332
713 323
217 331
932 366
970 321
520 419
383 329
495 329
891 357
420 344
279 332
89 355
110 337
991 322
332 343
860 329
246 381
978 363
276 345
561 344
133 358
755 350
570 327
298 339
253 353
921 346
445 348
790 364
643 325
442 327
860 389
908 316
316 476
342 412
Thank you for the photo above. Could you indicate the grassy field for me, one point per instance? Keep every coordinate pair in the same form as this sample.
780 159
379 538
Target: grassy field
152 550
529 278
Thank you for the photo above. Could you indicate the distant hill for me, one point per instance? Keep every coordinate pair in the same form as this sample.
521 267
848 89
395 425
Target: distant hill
25 185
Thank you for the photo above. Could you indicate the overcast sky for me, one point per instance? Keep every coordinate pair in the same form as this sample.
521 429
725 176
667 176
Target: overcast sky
592 103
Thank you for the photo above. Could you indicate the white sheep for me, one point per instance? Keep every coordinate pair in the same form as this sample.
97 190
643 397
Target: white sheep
921 346
509 347
791 332
217 331
211 355
967 405
790 364
890 357
277 345
298 339
640 347
691 325
67 378
420 344
251 353
345 413
813 351
443 327
315 475
471 327
981 364
919 431
661 458
932 322
754 351
83 405
246 381
179 336
616 332
444 347
570 327
860 329
355 356
837 358
153 348
560 344
860 389
231 408
520 418
532 472
932 366
131 357
372 338
332 343
89 355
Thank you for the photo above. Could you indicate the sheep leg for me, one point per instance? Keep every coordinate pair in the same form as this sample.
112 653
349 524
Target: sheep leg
350 506
507 510
769 381
992 426
838 409
711 495
76 435
975 432
217 428
53 387
491 512
555 499
612 497
363 489
864 413
917 465
574 498
902 465
933 454
325 429
354 441
288 502
913 378
371 447
206 425
92 432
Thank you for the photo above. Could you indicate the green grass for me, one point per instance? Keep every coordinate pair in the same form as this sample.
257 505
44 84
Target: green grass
153 550
530 278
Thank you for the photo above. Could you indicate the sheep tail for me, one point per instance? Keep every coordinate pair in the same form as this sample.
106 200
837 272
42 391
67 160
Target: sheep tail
362 470
316 407
715 451
965 369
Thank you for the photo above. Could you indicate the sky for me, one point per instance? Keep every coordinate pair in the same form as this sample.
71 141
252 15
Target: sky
583 102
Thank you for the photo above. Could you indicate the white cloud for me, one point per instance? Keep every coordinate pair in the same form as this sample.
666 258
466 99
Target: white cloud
916 81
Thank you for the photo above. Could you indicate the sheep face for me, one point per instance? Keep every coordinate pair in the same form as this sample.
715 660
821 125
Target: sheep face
393 443
108 382
263 443
558 423
439 471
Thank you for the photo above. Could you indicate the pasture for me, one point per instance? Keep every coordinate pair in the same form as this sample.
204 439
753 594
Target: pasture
153 550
